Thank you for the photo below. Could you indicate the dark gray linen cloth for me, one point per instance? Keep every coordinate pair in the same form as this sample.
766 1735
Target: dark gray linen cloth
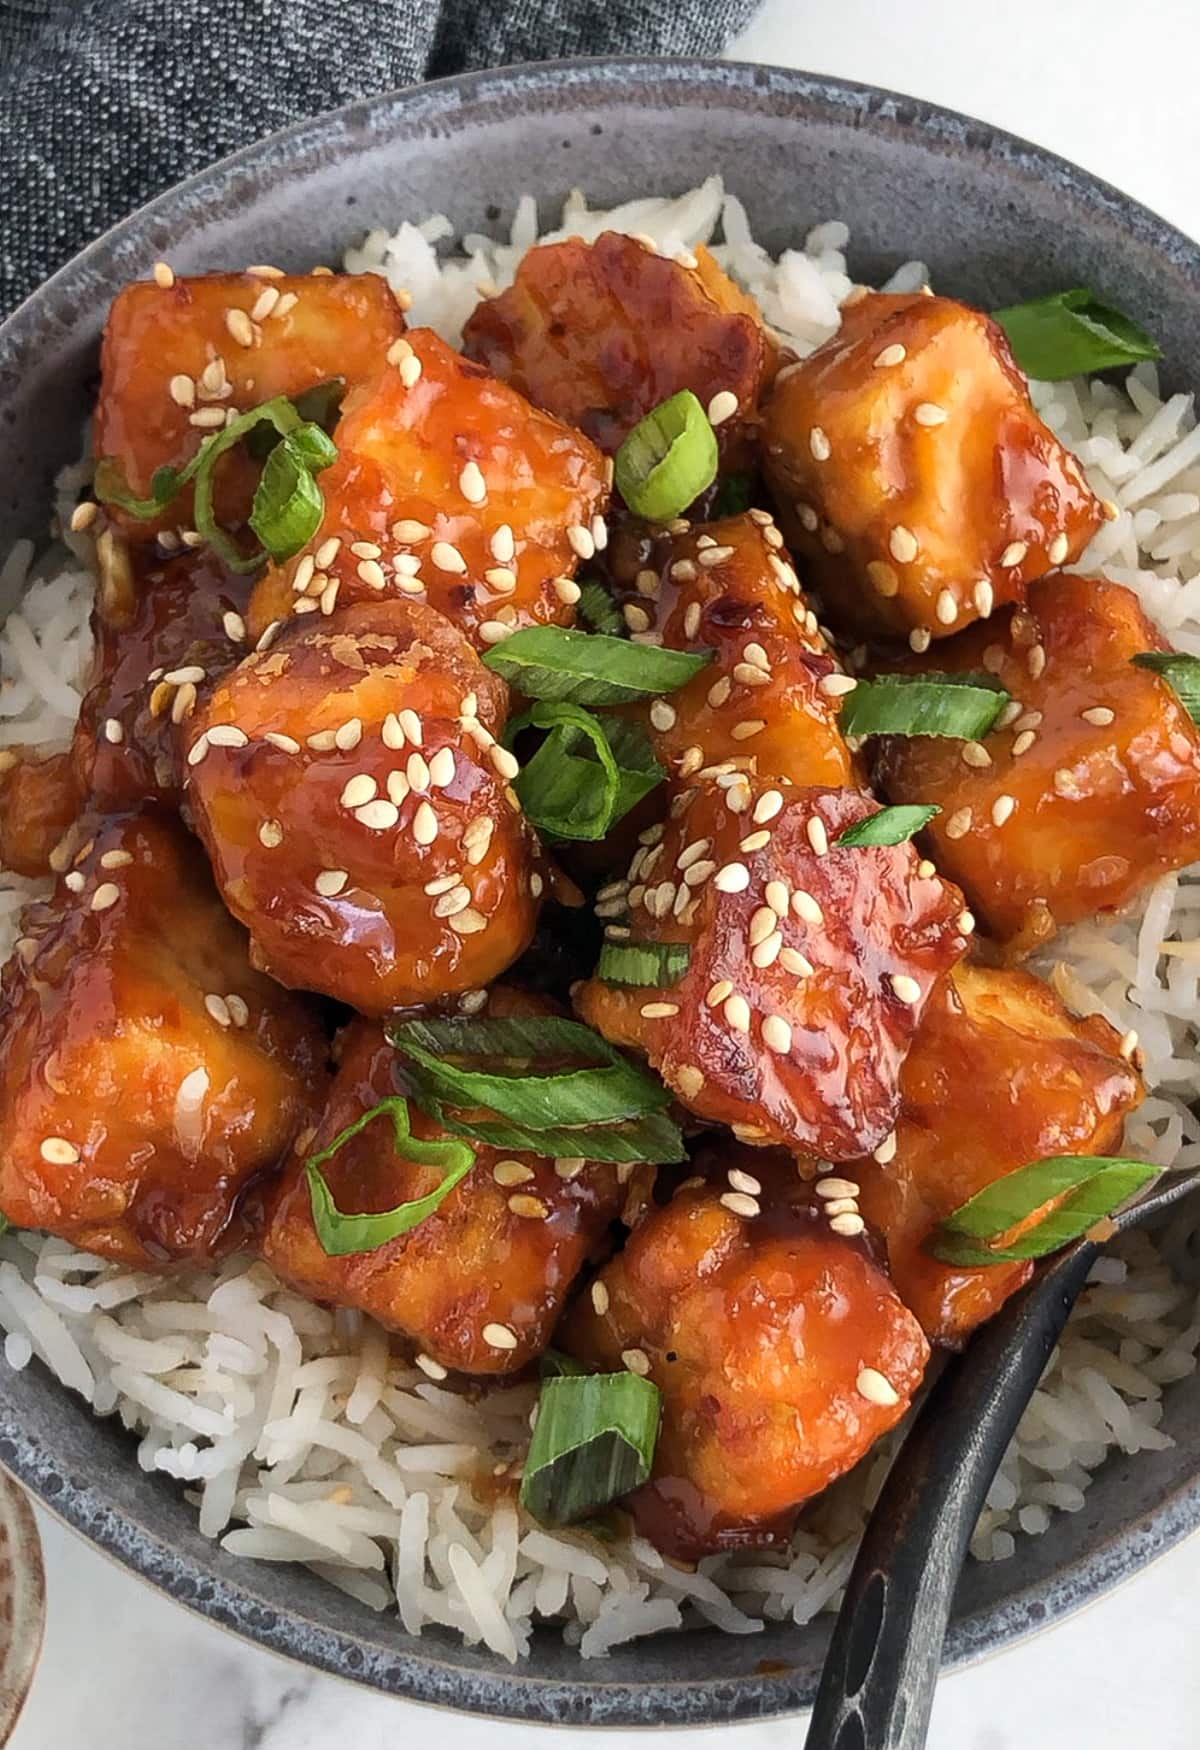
106 102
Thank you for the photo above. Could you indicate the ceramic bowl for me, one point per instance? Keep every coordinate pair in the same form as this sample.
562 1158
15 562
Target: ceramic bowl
997 220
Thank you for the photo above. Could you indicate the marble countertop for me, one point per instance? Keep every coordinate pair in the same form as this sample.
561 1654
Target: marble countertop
124 1667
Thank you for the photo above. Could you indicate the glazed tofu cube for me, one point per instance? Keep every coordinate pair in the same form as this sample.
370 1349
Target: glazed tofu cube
479 1285
768 701
39 800
1041 1082
357 809
1090 790
810 963
176 358
781 1350
147 1073
601 333
184 625
914 481
449 488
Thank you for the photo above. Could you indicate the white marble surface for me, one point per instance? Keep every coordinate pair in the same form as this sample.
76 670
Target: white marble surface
1113 88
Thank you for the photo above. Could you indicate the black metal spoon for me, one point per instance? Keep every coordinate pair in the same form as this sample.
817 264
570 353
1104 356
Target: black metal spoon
877 1687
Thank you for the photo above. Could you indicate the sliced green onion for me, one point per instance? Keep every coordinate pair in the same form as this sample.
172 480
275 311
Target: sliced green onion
589 668
574 797
341 1234
668 459
553 1364
931 704
605 1089
889 826
321 405
1181 673
288 503
1070 334
643 963
593 1441
599 611
655 1139
111 487
735 495
1095 1184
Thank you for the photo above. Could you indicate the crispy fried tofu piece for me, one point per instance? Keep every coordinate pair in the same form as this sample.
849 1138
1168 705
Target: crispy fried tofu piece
449 488
147 1072
479 1285
914 481
781 1350
601 333
356 806
1041 1082
810 963
766 703
175 358
39 800
185 626
1087 794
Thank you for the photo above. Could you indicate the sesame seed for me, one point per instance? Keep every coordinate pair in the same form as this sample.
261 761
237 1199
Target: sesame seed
662 715
636 617
569 1166
506 764
1002 809
925 869
836 1188
1098 715
733 878
197 750
836 686
227 735
499 1337
330 882
327 552
750 676
265 303
755 841
684 571
163 275
929 413
240 326
58 1151
365 550
966 922
410 727
502 545
476 840
531 1208
883 577
472 484
637 1361
841 1206
207 418
75 881
959 824
736 1011
234 627
767 807
776 896
762 924
973 753
905 989
424 825
378 815
818 444
740 1203
348 736
106 895
691 620
818 838
184 702
1035 662
1013 554
984 597
417 772
691 759
581 541
848 1225
718 992
179 676
182 391
410 371
712 556
495 631
468 922
599 1298
441 768
748 728
876 1389
1058 549
808 517
1024 742
723 406
692 853
270 834
777 1035
218 1008
946 607
806 908
919 639
1129 1044
113 732
451 903
891 355
902 545
429 1366
446 557
567 590
689 1079
658 1011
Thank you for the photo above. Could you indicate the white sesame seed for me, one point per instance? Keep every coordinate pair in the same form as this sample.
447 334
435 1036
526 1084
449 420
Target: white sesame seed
164 277
410 371
1098 715
581 541
748 728
902 545
755 841
58 1151
905 989
849 1226
736 1011
966 922
197 750
636 617
919 639
113 732
718 992
270 834
327 552
713 556
75 881
1129 1044
958 825
1023 742
733 878
499 1337
472 484
929 413
1013 554
1058 549
416 771
891 355
1035 662
183 391
240 326
227 735
836 1188
348 735
207 418
495 631
777 1035
600 533
973 753
883 577
806 908
662 715
818 444
446 557
433 1369
740 1203
637 1361
410 727
1002 809
762 924
569 1166
925 869
265 303
379 815
441 768
502 545
106 895
984 597
218 1008
599 1298
723 406
836 686
767 807
691 620
114 860
818 838
425 825
330 882
946 607
359 789
876 1389
658 1011
505 763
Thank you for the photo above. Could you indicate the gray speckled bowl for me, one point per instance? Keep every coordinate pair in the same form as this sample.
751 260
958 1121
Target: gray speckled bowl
997 220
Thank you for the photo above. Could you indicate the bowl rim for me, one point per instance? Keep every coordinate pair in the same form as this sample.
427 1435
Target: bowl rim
425 1676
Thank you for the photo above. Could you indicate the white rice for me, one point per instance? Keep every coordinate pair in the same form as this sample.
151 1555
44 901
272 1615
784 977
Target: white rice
301 1437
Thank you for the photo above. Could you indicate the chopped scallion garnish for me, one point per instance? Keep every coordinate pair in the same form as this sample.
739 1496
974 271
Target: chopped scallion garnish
1091 1187
655 1138
932 704
1180 671
643 963
668 459
888 826
341 1234
551 662
593 1441
1071 334
598 610
576 785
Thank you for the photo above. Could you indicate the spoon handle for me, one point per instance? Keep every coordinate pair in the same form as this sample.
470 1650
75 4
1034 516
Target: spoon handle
877 1687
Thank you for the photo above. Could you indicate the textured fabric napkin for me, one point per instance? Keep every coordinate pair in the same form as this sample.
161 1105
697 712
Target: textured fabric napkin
106 102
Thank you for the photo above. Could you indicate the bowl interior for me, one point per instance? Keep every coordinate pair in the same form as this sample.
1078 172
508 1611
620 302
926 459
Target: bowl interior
997 221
